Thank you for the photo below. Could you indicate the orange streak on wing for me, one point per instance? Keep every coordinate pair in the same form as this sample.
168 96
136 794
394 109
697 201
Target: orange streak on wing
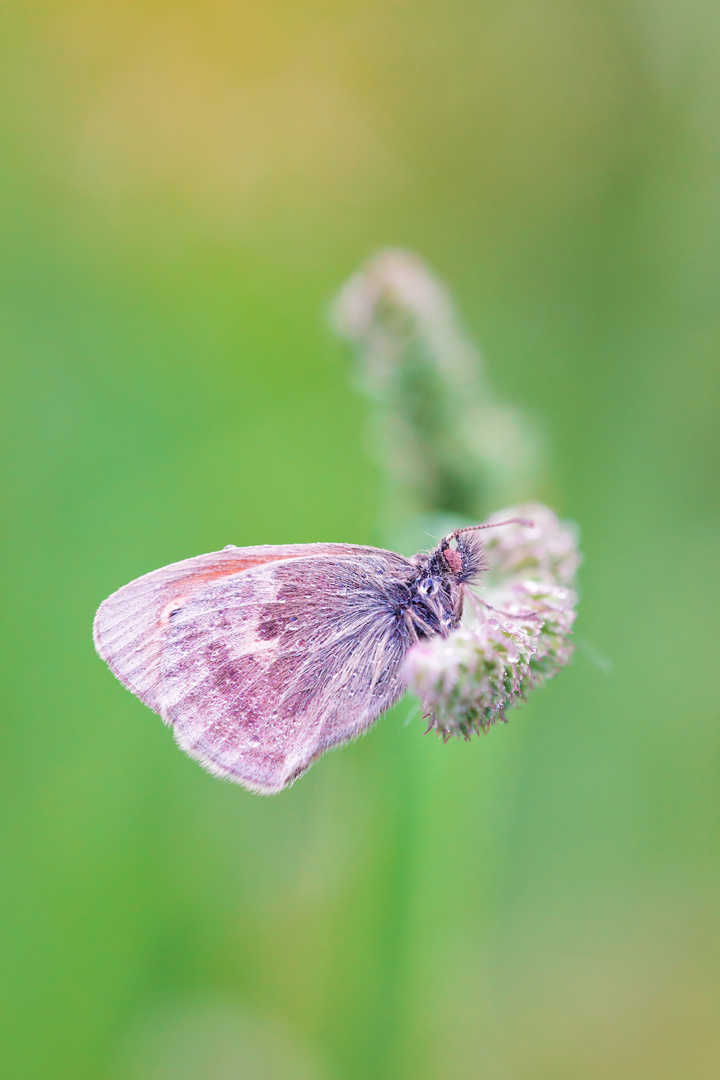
193 584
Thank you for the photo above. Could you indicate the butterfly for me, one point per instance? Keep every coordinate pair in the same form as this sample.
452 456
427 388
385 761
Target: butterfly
261 658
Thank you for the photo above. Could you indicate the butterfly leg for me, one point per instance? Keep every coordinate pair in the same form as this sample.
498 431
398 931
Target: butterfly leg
476 601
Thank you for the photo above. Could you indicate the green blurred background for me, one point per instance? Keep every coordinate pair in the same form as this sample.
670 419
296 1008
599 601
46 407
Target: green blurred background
185 185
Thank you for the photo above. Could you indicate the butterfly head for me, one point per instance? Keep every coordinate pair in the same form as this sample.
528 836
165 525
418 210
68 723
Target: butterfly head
460 557
466 558
436 591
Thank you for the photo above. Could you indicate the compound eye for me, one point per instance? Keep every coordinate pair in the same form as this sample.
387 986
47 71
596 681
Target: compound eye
428 587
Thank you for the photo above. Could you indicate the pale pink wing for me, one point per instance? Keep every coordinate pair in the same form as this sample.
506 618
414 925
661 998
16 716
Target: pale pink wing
130 627
261 658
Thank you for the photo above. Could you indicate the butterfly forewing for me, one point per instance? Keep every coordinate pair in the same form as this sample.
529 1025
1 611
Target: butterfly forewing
130 626
261 658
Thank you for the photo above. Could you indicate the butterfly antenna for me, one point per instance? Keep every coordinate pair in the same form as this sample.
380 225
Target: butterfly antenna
488 525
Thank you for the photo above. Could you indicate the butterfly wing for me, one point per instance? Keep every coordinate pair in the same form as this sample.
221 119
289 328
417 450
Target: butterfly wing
262 658
131 625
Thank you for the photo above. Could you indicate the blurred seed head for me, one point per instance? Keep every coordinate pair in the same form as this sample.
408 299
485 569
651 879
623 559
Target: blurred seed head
443 439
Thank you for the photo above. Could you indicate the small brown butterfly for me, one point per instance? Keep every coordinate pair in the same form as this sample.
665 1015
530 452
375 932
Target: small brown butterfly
261 658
